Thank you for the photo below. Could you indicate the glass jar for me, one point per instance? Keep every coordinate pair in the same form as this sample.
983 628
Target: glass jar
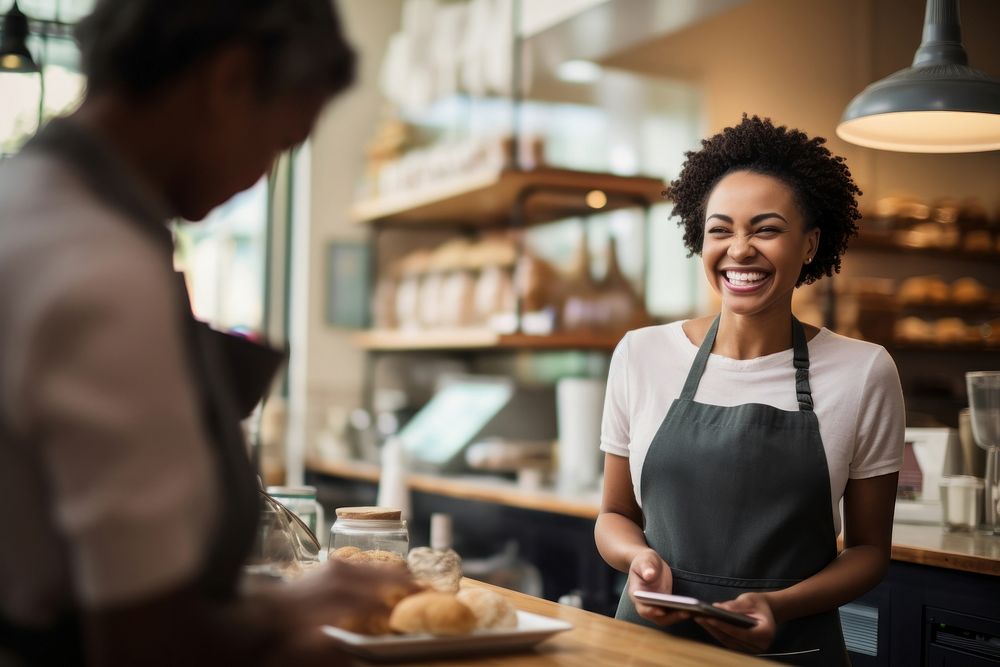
302 501
370 529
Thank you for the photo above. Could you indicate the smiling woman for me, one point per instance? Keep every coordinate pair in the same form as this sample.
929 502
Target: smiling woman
756 242
731 440
819 182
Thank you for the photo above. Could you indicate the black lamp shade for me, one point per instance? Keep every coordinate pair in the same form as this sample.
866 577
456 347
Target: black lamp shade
938 105
14 54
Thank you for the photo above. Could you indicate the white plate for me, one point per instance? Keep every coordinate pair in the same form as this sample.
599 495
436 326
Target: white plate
531 629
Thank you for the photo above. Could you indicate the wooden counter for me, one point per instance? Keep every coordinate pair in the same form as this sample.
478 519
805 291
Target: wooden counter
596 641
930 545
923 545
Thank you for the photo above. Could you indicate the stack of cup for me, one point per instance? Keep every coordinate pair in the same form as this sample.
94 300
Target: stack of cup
961 503
579 403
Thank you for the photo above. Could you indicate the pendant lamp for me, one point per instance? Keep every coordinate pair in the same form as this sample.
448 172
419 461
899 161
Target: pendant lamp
14 54
938 105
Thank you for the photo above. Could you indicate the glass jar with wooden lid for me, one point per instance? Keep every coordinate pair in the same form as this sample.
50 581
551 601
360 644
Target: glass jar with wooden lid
370 529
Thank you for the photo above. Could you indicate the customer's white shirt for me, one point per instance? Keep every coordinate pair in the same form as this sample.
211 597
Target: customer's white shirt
106 479
855 388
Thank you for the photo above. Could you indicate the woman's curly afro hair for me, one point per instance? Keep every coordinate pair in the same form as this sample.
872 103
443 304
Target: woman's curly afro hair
820 180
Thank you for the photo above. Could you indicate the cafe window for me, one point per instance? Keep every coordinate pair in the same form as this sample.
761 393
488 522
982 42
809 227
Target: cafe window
29 99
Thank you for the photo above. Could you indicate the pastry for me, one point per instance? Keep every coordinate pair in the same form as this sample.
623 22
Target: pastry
924 289
945 211
377 557
432 612
492 610
969 291
344 553
375 622
950 330
372 624
978 240
439 569
914 330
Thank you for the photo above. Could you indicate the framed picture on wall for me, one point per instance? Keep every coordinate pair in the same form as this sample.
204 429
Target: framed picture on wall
348 267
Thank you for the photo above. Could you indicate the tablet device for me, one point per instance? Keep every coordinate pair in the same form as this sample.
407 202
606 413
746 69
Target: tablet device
695 606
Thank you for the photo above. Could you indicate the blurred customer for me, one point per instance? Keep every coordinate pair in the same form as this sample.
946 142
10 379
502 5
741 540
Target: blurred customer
127 501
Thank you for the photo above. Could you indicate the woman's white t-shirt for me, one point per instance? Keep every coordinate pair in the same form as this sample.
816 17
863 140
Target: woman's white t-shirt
855 387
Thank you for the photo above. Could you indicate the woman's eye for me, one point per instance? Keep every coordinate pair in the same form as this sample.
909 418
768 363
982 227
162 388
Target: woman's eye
718 230
767 231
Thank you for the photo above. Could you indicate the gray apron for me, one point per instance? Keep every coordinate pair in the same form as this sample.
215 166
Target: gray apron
229 375
737 499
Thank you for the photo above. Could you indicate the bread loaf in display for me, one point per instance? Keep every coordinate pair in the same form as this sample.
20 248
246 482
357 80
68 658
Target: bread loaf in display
432 612
492 610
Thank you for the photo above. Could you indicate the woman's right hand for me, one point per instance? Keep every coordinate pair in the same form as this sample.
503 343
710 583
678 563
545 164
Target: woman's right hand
649 572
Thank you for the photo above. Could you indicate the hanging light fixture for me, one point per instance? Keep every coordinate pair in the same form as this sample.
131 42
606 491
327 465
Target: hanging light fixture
938 105
14 54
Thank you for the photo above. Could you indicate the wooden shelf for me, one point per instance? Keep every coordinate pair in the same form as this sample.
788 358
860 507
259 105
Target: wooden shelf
945 348
386 340
980 312
881 244
488 199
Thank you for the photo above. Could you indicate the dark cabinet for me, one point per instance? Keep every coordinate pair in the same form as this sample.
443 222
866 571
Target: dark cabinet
925 616
953 639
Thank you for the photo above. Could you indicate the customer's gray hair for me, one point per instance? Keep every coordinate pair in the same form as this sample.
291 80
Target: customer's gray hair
136 46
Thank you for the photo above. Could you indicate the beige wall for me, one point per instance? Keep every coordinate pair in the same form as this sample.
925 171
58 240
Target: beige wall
325 368
801 61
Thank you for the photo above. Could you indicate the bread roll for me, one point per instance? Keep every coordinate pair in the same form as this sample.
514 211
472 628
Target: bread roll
492 610
950 330
432 612
437 569
924 289
376 557
371 624
369 557
344 553
978 240
914 330
969 291
375 622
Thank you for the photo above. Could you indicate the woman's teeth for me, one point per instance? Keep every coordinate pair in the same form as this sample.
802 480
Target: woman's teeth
744 278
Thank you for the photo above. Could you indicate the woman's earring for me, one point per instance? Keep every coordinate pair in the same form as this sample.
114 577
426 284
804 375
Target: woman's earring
809 260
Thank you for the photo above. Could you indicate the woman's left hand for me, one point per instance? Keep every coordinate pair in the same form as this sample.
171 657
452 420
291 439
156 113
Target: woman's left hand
751 640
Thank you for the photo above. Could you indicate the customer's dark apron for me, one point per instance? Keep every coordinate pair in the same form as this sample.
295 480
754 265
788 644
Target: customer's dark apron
229 375
737 499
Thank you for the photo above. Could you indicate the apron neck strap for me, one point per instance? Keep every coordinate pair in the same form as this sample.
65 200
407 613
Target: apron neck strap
803 392
700 361
800 359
